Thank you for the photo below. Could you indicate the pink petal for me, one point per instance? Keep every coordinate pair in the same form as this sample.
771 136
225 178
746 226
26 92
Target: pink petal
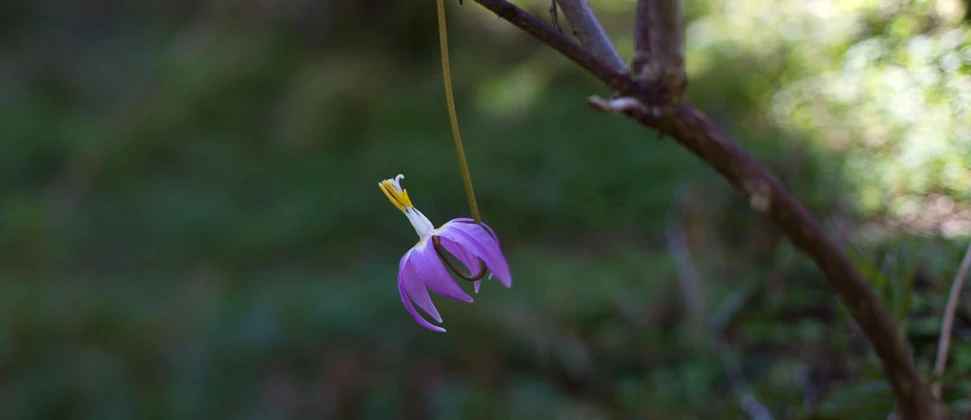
470 261
478 241
431 271
415 288
414 313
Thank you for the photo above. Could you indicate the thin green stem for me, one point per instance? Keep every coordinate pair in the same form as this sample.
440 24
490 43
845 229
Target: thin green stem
453 119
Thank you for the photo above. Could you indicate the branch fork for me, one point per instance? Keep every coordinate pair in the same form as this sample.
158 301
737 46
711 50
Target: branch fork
650 93
659 47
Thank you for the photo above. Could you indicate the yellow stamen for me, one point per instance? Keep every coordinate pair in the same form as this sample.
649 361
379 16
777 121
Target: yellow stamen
398 198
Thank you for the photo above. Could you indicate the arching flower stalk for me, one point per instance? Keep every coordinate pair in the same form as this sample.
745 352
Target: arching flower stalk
423 267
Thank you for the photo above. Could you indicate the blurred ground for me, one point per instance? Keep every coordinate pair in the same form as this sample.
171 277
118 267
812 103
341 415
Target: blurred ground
190 225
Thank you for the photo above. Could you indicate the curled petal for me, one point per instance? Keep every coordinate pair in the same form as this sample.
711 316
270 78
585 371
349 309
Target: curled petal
477 240
467 220
414 313
430 270
469 260
408 280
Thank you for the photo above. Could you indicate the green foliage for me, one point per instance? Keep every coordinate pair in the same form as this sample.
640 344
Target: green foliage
191 228
884 84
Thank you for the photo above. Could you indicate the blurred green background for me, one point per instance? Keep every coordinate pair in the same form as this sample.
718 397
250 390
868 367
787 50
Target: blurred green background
190 223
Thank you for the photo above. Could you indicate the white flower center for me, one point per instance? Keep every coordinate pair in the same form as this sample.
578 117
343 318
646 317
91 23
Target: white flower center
399 198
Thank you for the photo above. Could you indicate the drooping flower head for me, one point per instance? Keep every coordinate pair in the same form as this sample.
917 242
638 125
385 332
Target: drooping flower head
423 267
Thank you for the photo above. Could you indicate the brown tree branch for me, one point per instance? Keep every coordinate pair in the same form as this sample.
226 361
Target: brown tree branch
947 323
767 195
659 45
591 34
696 132
616 79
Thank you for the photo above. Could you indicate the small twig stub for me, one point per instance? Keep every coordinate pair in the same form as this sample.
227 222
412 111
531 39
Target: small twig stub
759 195
554 17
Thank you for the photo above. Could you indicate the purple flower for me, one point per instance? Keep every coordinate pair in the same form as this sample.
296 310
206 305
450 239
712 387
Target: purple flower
423 267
